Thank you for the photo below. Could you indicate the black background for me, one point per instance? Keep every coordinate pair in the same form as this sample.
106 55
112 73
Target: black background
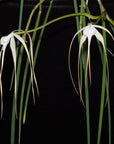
58 116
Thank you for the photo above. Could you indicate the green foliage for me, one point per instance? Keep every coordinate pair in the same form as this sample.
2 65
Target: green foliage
84 31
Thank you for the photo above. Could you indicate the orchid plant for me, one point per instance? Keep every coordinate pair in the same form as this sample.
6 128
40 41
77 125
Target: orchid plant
84 32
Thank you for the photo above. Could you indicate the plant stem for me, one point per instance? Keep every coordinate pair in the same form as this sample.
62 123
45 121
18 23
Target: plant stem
25 76
78 27
86 99
35 58
83 23
109 121
13 123
87 111
21 14
83 56
13 105
77 19
21 49
102 90
61 18
109 111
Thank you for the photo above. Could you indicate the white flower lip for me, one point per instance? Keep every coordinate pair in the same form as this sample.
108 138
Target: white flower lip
5 40
89 31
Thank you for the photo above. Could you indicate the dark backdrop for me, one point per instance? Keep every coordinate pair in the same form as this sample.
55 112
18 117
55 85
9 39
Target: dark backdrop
58 116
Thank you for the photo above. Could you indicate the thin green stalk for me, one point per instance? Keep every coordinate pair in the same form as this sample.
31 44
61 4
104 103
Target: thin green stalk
13 123
109 111
13 105
86 98
21 49
35 58
21 13
78 27
32 13
18 69
102 90
109 121
77 18
25 76
87 110
87 9
81 11
36 24
83 55
111 21
61 18
83 23
112 27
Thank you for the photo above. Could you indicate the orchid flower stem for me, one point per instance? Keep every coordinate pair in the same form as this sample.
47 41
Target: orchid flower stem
35 58
86 83
102 90
61 18
13 105
102 15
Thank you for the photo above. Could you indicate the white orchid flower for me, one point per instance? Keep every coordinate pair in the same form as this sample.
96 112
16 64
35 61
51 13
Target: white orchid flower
88 32
10 39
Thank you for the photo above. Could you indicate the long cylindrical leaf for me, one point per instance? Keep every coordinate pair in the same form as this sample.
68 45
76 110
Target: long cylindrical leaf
35 58
13 106
86 98
109 120
102 90
83 22
24 78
